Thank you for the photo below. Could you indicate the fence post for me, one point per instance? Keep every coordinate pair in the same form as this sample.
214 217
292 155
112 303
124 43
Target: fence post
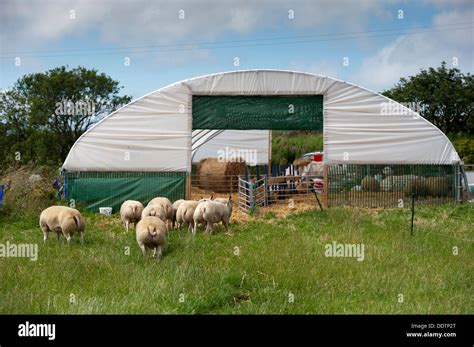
412 211
65 191
251 196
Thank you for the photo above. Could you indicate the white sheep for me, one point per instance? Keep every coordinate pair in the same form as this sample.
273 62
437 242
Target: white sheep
131 212
215 212
198 216
184 214
63 220
175 210
154 211
167 206
151 233
225 201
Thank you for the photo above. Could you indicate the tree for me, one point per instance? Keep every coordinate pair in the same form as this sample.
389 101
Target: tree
443 96
45 113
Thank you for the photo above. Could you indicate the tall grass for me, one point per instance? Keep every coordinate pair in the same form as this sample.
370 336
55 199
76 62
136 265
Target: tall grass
256 269
288 146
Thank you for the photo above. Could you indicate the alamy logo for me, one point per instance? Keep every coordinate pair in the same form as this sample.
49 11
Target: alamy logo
349 250
20 250
237 155
37 330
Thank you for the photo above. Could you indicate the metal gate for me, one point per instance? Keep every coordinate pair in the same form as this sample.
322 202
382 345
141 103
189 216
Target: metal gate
252 194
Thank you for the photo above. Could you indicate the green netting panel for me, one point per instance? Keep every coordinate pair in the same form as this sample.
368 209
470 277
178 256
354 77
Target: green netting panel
283 112
110 189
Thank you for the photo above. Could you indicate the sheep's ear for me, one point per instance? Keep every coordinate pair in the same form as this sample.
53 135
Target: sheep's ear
212 197
202 197
230 197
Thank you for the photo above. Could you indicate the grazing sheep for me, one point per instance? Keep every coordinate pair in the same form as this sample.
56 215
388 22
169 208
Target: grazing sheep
167 206
185 213
154 211
63 220
175 209
151 233
131 212
198 215
227 202
215 212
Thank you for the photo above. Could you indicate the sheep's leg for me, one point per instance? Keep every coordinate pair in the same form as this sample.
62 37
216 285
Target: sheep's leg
159 253
226 226
58 234
126 225
68 238
45 236
154 252
142 247
194 228
81 237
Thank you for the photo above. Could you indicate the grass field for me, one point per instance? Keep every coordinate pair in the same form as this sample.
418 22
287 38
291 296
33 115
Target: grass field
258 268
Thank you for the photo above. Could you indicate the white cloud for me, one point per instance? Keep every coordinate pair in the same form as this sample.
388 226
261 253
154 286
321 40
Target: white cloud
407 54
26 24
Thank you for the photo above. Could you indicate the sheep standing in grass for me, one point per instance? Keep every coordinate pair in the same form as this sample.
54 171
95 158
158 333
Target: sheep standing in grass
225 202
215 212
63 220
175 210
154 211
167 206
185 212
151 234
131 212
198 215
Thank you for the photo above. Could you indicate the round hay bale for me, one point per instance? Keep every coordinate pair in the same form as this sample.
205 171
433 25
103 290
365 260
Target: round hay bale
437 186
415 186
219 176
370 184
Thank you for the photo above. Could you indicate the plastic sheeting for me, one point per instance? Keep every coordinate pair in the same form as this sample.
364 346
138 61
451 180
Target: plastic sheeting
153 133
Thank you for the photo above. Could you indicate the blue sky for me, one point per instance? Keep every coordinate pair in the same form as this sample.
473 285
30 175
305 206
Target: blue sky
99 34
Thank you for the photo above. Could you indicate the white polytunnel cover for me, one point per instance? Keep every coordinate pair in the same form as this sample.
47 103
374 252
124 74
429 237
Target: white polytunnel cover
154 132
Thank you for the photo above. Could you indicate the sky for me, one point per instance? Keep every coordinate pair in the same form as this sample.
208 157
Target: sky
146 45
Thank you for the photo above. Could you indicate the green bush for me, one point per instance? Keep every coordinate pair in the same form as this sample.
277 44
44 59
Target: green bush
28 190
465 147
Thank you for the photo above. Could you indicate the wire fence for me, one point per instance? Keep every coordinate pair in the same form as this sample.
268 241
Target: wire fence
389 186
366 186
278 189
